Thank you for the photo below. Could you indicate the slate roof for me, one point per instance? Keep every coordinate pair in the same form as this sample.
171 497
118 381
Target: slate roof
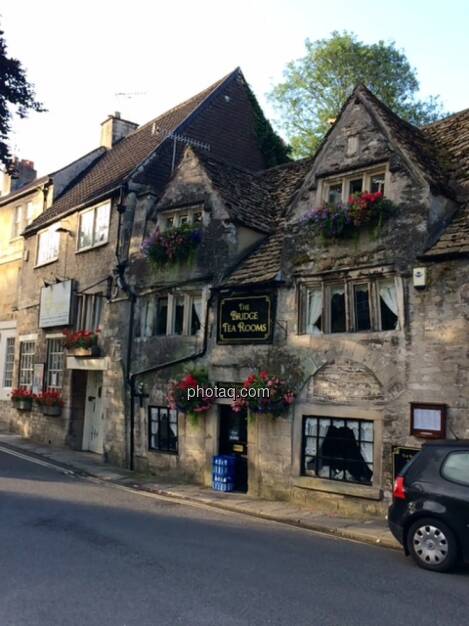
454 239
120 161
451 137
261 266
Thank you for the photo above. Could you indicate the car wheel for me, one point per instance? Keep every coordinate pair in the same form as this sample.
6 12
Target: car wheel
432 545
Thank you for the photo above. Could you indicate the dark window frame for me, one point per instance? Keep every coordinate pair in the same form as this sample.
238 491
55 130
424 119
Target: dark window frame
424 433
304 438
162 448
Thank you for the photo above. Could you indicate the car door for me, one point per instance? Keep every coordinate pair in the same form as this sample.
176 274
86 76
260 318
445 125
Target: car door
455 477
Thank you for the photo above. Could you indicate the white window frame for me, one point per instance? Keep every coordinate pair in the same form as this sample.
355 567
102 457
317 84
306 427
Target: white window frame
30 357
89 311
94 244
17 225
60 372
149 311
48 232
346 179
178 214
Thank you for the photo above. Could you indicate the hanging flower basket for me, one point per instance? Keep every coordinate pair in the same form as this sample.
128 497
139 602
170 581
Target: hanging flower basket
265 394
22 399
194 402
51 403
343 219
176 245
81 343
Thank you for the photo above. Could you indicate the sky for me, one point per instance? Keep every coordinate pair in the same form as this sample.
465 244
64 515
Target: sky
80 55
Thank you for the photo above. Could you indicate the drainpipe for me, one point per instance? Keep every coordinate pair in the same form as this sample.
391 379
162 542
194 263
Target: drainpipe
155 368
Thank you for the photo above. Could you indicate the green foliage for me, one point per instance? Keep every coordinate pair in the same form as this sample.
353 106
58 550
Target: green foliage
15 94
272 146
316 86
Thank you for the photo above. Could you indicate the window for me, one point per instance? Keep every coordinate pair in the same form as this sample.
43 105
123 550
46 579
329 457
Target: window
456 467
177 218
9 362
18 223
29 213
55 364
339 190
338 449
48 246
89 311
163 429
349 307
172 314
94 226
26 366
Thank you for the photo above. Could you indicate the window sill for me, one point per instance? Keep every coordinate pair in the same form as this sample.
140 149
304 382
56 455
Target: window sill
330 486
357 333
38 265
98 245
169 452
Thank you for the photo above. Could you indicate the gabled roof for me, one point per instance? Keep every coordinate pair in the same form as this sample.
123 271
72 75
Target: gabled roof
119 162
25 189
451 137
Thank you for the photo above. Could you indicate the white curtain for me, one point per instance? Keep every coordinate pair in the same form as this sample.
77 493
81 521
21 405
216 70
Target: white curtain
387 291
314 311
197 304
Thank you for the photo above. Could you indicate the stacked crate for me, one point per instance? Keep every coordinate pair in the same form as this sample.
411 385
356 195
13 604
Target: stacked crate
224 472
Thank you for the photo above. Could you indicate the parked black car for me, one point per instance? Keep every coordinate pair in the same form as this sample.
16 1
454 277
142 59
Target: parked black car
429 514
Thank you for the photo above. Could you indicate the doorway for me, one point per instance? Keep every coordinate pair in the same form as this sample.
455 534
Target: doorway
93 431
234 440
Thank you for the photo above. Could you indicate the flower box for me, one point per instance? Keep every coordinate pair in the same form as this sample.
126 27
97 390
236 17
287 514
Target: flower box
175 245
272 396
22 399
52 411
23 404
83 352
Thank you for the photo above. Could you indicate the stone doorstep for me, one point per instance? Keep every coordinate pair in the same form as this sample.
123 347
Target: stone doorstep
370 531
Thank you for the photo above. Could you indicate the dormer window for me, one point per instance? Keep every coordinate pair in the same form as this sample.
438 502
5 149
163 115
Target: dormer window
180 217
336 190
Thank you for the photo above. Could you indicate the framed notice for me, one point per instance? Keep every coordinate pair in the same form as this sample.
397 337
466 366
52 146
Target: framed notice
245 318
38 378
428 420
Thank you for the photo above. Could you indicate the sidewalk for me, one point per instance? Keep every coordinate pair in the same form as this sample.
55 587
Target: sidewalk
373 530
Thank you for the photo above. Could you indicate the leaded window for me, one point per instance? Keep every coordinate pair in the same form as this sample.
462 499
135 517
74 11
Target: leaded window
55 364
163 429
26 364
338 449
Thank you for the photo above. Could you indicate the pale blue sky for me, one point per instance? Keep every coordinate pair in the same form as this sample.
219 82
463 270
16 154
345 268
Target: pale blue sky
80 54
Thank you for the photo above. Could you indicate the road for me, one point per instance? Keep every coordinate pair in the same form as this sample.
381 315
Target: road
79 552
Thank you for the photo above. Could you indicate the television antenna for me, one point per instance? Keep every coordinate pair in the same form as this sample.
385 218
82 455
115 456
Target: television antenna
178 138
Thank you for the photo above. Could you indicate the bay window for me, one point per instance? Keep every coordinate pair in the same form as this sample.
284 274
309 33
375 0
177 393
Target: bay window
369 304
93 229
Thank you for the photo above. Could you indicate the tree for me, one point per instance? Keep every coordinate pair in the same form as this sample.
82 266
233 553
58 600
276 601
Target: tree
16 95
316 86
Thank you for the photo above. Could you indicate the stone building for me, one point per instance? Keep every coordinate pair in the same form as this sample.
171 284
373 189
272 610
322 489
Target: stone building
76 251
375 325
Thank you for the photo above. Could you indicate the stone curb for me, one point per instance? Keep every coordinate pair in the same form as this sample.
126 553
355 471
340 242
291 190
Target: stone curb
344 533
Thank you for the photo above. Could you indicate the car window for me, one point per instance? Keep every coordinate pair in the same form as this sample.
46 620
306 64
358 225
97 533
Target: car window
456 467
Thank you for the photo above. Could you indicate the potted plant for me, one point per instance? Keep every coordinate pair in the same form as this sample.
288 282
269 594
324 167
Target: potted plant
22 399
175 245
51 403
189 395
81 343
265 393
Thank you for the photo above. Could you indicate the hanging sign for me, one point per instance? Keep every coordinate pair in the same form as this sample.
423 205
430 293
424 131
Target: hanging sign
246 319
56 305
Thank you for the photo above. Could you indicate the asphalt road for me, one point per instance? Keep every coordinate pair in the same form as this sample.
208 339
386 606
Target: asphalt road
77 552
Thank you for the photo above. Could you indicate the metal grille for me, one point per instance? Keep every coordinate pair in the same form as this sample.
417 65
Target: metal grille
338 449
27 351
55 364
163 429
9 362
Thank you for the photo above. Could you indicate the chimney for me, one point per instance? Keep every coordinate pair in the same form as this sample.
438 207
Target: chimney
19 174
113 129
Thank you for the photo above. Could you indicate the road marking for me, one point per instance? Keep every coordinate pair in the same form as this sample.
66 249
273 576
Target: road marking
33 459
